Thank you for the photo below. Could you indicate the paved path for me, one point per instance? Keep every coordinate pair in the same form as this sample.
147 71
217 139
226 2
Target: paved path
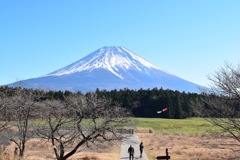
134 141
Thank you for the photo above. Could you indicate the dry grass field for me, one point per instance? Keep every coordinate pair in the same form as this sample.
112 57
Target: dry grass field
190 147
37 149
180 147
189 139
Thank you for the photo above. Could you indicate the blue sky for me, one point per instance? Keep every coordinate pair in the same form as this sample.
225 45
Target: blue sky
188 38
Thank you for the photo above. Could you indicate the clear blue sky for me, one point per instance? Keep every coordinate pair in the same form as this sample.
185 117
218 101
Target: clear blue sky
188 38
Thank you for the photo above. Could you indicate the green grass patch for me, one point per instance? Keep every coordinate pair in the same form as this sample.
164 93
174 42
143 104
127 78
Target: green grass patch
85 123
159 125
181 126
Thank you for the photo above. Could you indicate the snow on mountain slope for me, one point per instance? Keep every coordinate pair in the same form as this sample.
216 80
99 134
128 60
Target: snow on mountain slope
109 58
110 68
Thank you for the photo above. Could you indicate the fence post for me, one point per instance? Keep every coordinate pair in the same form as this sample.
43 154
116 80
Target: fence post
167 157
167 153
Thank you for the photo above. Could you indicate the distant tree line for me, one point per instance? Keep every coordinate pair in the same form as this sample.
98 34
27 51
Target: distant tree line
142 102
146 103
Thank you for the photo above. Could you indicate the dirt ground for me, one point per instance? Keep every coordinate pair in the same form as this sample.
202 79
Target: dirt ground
180 147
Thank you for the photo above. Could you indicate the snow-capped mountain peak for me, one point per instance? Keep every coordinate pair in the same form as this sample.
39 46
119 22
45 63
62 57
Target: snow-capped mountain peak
109 68
110 58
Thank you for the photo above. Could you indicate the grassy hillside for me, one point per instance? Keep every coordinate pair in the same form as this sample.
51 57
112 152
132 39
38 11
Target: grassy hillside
188 126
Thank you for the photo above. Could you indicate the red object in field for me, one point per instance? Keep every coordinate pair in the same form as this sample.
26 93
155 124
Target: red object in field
164 109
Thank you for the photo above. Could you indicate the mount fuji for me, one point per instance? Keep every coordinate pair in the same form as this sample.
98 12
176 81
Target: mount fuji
109 68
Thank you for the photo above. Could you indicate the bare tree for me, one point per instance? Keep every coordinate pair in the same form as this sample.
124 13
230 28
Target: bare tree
79 121
5 101
22 107
222 103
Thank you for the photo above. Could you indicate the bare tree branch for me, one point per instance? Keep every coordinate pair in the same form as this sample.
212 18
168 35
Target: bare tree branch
5 102
222 105
22 106
80 120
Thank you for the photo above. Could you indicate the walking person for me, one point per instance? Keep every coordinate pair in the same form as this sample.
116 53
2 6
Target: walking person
15 152
141 149
131 152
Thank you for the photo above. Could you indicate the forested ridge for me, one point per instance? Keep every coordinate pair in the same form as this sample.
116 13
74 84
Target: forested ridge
146 103
142 102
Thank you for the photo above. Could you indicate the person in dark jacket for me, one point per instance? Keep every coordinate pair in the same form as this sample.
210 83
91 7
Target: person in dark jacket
131 152
141 149
16 152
